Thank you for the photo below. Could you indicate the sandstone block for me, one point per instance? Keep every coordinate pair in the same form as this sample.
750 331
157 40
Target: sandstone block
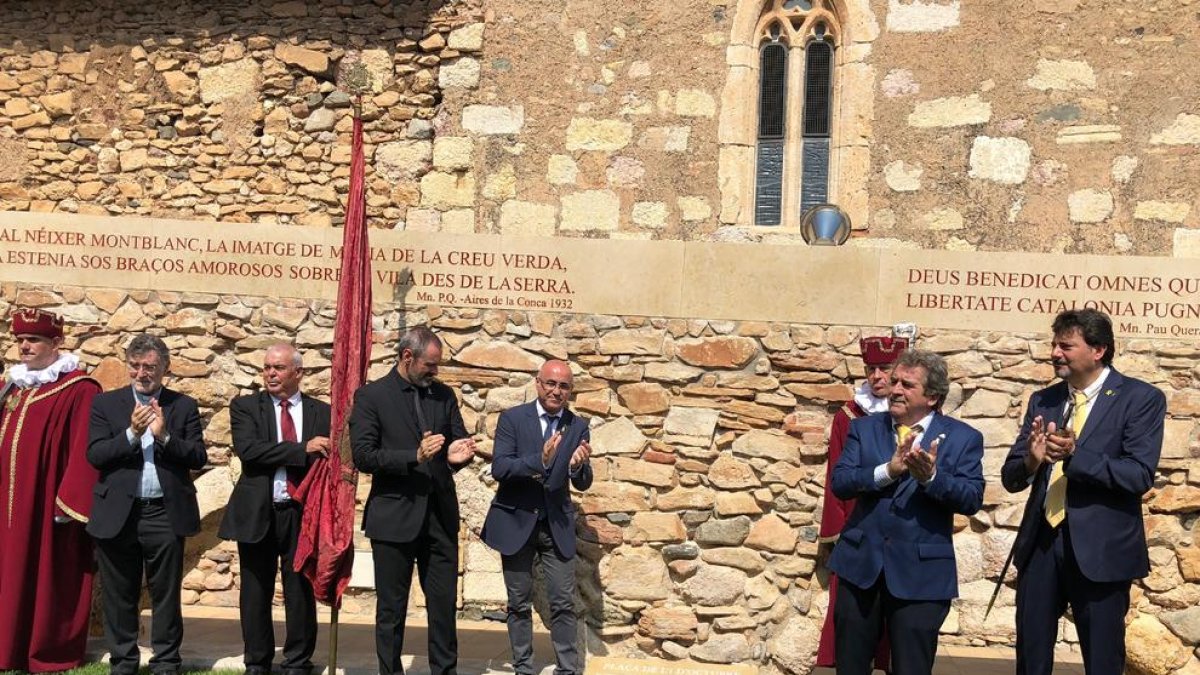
1152 648
501 184
738 558
1062 75
441 190
669 623
468 38
562 170
58 105
728 473
953 111
641 341
635 573
695 103
290 318
657 527
230 80
1167 212
499 355
1176 499
1090 205
591 210
645 473
609 497
1003 160
717 352
771 445
772 533
586 133
1185 130
736 504
693 209
650 214
684 498
453 153
699 422
309 60
400 160
491 120
902 176
722 648
920 16
527 218
460 73
715 585
644 398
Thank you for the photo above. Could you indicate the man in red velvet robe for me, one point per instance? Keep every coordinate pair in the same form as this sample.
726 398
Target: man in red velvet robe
878 354
45 498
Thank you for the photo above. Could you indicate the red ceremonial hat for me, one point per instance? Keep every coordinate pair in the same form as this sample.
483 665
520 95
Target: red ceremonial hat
37 322
882 351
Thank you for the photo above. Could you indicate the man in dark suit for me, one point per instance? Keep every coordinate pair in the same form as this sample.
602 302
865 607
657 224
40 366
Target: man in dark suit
145 441
1088 448
895 559
541 450
277 434
407 432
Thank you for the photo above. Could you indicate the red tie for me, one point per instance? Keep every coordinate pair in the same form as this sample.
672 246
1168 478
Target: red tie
288 427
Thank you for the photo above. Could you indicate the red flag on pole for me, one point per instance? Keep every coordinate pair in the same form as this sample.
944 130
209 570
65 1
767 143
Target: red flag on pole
325 550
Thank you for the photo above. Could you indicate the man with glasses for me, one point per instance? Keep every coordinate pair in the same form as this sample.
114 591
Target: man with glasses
145 440
407 432
541 450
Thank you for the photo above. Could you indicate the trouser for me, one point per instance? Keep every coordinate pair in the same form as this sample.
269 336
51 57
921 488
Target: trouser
145 545
558 574
912 625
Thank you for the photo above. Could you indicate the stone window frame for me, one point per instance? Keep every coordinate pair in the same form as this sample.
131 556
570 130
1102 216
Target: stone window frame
738 129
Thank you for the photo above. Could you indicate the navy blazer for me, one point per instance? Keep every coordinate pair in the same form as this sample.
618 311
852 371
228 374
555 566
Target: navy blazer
384 437
904 529
526 488
1113 466
252 419
120 462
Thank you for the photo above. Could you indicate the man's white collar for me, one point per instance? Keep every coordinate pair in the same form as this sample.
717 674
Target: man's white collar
869 402
21 376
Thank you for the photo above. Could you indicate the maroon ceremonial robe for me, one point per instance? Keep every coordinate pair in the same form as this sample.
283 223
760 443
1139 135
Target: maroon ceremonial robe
834 513
45 568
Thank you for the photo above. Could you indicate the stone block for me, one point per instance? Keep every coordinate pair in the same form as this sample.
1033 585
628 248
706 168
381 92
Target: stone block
693 209
919 16
561 170
493 120
1167 212
586 133
953 111
527 218
1185 130
468 38
942 218
400 160
452 153
635 573
903 177
657 527
1003 160
650 214
442 191
230 80
61 104
1062 75
665 139
1090 205
309 60
461 74
695 103
591 210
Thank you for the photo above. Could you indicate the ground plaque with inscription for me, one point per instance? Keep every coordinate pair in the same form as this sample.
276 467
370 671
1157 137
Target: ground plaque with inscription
610 665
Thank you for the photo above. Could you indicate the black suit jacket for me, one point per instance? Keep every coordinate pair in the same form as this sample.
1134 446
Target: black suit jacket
252 419
384 436
1113 466
527 488
120 462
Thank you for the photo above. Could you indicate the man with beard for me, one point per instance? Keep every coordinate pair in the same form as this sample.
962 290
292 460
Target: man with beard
878 355
46 483
911 469
145 439
1088 450
407 432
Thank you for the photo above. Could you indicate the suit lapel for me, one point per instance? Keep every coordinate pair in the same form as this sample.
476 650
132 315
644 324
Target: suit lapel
310 417
266 408
1103 404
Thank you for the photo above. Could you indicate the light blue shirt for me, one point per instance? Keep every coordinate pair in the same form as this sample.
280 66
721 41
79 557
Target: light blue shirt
149 488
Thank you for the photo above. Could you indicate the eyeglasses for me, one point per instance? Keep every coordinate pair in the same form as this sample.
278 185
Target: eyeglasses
551 384
150 368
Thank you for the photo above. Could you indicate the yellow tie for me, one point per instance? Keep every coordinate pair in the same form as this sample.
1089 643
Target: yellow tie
902 433
1056 493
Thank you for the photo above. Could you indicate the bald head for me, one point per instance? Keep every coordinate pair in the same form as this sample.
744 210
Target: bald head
282 368
554 384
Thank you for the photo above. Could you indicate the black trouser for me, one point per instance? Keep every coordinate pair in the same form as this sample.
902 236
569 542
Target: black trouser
1049 582
912 626
435 553
260 560
146 544
558 575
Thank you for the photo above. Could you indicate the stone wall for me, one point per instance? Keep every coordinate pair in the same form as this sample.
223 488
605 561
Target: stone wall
698 538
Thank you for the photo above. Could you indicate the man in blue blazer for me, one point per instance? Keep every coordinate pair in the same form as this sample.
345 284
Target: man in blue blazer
1088 450
541 450
911 469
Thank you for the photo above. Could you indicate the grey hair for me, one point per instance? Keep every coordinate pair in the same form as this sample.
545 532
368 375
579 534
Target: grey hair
937 377
417 340
297 357
146 343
